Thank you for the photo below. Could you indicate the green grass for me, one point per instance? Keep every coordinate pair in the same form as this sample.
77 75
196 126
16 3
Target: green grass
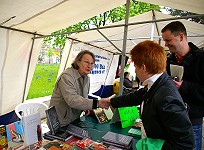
43 81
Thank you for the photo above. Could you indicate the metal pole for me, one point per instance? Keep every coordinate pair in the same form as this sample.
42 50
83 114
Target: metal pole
28 68
124 47
153 24
121 25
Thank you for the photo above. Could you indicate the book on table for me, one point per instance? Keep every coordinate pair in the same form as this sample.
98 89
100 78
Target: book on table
135 132
78 132
118 140
56 132
101 115
47 144
15 135
32 129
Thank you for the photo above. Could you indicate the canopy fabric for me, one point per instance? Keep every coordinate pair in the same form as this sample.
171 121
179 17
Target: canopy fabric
139 32
45 17
19 52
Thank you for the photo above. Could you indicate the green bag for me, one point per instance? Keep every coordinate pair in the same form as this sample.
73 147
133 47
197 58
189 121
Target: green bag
149 144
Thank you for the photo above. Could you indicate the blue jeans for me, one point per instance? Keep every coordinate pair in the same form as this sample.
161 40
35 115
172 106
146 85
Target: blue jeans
198 136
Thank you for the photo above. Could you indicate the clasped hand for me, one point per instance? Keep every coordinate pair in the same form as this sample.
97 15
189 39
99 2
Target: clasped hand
104 103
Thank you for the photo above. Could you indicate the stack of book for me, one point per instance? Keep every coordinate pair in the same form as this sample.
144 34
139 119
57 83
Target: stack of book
77 131
135 129
57 132
118 140
135 132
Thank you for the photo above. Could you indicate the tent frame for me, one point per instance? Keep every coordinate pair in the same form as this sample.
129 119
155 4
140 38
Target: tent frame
123 51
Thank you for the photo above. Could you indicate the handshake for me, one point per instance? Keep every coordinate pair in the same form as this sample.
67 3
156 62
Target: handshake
105 102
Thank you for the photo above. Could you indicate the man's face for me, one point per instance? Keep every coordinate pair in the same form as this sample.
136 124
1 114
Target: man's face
171 41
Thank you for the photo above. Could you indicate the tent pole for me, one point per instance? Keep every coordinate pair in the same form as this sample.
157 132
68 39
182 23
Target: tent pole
68 54
124 47
28 67
137 38
121 25
89 44
153 24
23 31
109 41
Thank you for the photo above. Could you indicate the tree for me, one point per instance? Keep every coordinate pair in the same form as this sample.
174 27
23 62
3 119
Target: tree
100 20
49 53
175 12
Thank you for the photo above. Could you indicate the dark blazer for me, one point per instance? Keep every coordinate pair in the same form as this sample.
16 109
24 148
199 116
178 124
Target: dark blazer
164 114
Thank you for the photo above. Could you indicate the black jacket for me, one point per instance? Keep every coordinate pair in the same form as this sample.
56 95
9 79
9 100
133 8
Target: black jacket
192 88
164 114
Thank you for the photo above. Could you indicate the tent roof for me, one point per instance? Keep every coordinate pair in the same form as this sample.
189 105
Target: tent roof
45 17
139 32
19 52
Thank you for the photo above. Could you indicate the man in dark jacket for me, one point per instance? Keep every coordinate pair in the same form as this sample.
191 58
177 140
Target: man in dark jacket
191 87
163 112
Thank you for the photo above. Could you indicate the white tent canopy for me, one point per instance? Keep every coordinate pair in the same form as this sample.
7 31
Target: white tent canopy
138 32
45 17
19 52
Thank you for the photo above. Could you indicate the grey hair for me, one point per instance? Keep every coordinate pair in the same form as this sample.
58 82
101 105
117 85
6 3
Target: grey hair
79 56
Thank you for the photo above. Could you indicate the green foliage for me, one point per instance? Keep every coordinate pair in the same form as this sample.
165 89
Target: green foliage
49 53
126 68
175 12
40 58
100 20
43 81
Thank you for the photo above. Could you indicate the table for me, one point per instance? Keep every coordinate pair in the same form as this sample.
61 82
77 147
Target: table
97 131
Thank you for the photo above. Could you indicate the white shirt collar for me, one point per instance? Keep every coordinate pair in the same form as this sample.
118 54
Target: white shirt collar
150 81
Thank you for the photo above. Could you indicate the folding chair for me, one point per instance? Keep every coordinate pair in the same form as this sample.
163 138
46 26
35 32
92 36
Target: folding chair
28 108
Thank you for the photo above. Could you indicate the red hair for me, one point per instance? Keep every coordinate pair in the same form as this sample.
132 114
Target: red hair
150 54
